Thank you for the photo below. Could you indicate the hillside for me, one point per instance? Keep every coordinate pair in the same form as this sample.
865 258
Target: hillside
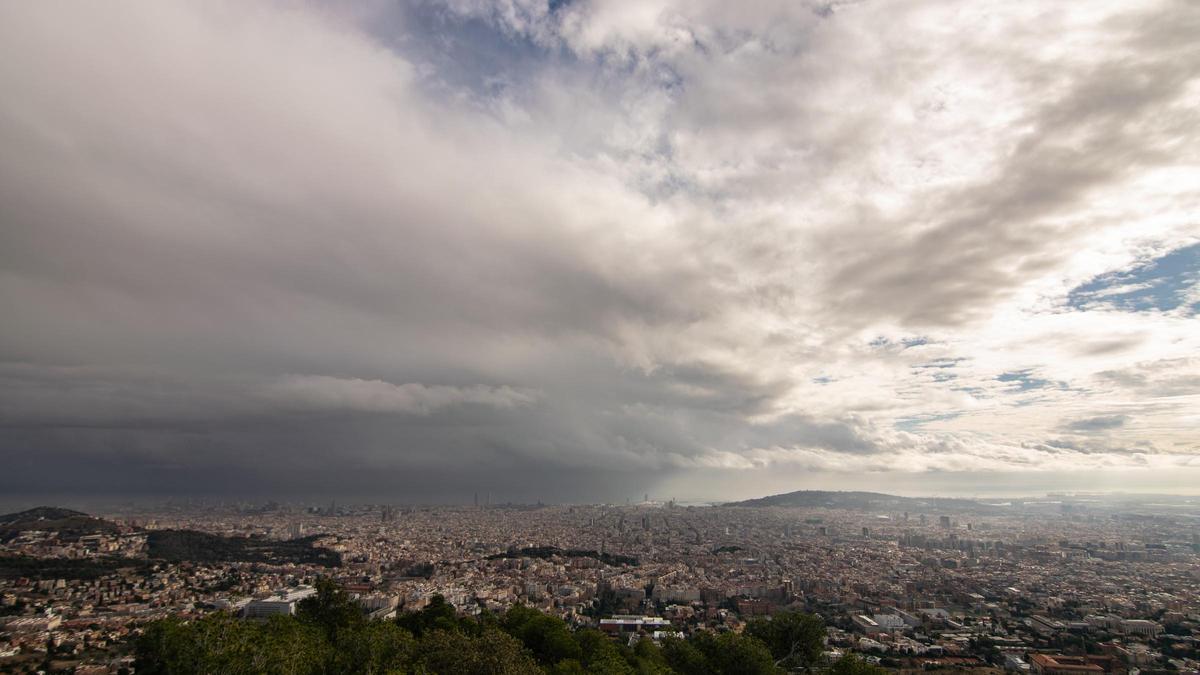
28 567
193 546
547 552
67 523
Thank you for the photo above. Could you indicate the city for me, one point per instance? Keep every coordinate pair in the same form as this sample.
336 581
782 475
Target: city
1108 583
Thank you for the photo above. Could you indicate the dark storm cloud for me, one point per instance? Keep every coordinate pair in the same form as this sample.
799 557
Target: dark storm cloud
303 460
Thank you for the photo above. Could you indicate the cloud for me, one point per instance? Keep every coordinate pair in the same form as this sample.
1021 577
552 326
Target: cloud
1101 423
594 245
333 393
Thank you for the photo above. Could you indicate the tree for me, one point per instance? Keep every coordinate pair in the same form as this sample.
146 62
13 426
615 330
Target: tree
547 637
166 646
287 647
853 665
220 643
724 654
648 658
601 655
684 658
568 667
734 654
492 653
331 610
376 648
330 636
437 615
794 638
226 644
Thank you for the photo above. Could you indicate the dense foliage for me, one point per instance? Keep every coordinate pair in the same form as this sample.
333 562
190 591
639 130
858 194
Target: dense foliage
193 546
545 552
794 639
329 634
27 567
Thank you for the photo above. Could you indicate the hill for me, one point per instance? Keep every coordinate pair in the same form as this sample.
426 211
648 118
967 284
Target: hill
547 552
869 501
67 523
27 567
193 546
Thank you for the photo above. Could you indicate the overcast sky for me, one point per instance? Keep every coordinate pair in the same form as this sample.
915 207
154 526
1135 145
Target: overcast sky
592 249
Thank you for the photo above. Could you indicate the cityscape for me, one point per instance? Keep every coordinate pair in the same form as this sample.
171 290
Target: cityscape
1064 583
599 337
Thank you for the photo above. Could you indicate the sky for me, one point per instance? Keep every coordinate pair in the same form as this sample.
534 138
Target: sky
587 250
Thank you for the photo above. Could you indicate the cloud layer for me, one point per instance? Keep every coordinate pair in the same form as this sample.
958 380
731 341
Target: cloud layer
584 250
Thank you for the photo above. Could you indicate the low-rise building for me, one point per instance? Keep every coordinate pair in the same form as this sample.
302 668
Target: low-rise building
283 602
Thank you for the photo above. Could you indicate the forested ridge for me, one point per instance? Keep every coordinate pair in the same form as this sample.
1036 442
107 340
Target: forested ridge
29 567
193 546
547 552
330 635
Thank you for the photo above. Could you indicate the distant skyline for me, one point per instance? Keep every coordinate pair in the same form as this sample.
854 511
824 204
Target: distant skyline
577 251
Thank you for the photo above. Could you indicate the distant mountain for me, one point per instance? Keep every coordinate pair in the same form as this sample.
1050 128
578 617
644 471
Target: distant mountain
67 523
862 501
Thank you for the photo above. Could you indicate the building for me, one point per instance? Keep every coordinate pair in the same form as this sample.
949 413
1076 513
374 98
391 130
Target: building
1015 664
378 605
890 621
33 624
878 623
1045 625
632 623
755 606
1057 664
283 602
1141 627
676 594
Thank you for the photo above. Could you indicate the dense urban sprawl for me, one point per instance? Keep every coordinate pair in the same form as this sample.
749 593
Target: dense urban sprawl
1048 586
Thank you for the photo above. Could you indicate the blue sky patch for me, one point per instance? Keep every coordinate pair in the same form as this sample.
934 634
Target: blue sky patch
467 53
940 363
1161 285
1024 380
915 422
883 342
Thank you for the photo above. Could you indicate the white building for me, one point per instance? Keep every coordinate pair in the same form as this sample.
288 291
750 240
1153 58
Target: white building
379 605
1016 664
632 623
890 622
283 602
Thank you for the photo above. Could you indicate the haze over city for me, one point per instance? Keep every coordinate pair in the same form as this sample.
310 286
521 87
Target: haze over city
582 251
